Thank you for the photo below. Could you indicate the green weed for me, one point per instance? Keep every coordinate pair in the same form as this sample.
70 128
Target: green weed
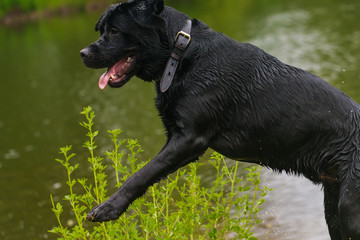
179 207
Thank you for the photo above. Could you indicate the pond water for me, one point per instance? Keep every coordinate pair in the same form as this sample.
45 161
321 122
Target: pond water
44 86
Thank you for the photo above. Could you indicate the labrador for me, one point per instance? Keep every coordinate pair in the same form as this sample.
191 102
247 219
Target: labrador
214 92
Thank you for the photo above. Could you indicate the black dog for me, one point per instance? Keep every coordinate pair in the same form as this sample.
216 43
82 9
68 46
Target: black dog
214 92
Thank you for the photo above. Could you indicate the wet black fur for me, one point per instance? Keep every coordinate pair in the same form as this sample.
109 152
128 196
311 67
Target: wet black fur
238 100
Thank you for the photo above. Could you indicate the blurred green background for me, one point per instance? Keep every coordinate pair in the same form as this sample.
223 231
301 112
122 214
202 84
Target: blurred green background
39 5
44 86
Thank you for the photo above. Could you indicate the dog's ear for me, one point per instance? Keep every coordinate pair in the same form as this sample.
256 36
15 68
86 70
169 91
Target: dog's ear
105 16
146 12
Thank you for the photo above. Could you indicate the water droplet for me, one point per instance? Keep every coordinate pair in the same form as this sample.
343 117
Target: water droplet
29 148
34 84
70 222
57 185
46 121
22 225
11 154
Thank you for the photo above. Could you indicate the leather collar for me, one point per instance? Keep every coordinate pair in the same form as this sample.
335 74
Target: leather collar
181 43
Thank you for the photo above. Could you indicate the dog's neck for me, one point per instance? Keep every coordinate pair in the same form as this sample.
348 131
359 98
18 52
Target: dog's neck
159 55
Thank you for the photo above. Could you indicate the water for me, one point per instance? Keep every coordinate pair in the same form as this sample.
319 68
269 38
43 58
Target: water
44 86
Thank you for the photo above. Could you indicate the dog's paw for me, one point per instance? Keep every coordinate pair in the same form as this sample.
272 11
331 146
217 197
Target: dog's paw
103 213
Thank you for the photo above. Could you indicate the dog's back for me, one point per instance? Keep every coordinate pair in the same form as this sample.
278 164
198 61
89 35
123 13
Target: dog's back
261 109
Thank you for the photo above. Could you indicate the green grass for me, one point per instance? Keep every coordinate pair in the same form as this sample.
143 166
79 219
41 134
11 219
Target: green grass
179 207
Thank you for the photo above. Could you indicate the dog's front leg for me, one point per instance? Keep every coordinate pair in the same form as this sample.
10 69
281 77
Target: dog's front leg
179 151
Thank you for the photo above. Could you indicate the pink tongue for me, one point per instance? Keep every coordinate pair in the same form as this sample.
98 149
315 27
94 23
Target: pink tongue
104 79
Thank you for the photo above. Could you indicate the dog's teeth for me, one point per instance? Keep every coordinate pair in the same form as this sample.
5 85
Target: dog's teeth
112 77
128 59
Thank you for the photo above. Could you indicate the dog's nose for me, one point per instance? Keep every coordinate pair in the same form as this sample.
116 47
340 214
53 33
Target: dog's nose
84 53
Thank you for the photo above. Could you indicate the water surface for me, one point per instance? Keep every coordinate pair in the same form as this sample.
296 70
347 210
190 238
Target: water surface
44 86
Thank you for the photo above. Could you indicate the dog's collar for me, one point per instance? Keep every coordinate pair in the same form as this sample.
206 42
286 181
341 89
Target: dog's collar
181 43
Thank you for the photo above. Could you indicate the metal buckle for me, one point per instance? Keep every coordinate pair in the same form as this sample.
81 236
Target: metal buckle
183 34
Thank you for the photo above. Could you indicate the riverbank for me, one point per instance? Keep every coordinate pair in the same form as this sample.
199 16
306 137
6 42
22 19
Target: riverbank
17 16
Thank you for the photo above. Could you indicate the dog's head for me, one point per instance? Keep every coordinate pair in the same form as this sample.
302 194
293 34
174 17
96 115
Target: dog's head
127 32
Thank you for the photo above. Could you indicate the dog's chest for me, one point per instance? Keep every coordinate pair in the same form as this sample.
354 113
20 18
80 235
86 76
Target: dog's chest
166 105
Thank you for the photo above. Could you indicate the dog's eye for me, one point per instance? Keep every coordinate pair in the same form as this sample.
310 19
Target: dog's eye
114 31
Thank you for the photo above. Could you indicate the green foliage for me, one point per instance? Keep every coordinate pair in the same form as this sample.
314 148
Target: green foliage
39 5
178 208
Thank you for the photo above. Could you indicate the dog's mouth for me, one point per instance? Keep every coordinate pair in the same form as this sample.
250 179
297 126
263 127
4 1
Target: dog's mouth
119 74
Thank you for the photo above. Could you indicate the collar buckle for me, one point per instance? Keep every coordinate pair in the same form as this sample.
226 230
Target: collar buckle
182 40
183 34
